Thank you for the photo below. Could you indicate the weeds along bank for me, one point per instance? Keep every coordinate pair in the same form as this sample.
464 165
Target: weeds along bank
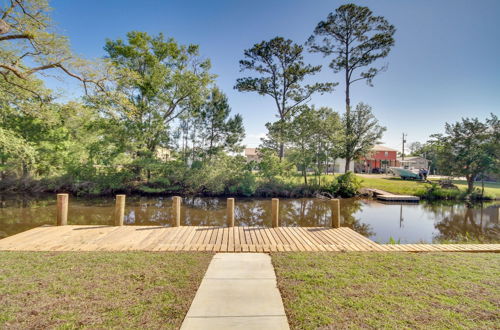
225 178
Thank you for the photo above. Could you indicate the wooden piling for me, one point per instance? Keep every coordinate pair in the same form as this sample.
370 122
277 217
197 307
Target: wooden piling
230 212
119 210
176 208
275 212
335 213
62 209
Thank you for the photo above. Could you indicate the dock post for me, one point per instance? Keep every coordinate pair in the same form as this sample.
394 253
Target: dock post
119 210
275 212
176 206
335 213
62 209
230 212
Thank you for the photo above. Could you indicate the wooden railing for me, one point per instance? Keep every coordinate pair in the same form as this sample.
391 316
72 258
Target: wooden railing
119 213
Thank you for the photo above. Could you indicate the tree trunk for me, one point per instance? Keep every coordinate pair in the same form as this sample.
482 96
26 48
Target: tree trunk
282 151
304 173
482 188
348 112
470 183
347 164
25 170
2 172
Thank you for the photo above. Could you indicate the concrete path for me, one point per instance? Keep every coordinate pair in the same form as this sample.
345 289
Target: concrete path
238 292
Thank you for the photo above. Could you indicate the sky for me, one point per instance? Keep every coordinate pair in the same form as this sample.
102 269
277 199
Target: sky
445 64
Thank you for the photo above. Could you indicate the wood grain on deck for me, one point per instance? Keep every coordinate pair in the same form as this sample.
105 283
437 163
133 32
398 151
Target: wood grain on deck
216 239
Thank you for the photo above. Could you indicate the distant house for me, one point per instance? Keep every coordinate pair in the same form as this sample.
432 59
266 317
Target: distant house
251 154
338 166
414 162
379 158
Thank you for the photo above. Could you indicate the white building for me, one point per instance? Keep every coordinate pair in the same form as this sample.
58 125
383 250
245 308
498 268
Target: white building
414 162
338 167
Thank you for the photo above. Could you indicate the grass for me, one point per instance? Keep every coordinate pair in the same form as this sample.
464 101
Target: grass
490 188
410 187
98 289
394 185
390 290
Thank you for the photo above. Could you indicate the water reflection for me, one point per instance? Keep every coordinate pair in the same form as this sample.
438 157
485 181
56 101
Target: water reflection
408 223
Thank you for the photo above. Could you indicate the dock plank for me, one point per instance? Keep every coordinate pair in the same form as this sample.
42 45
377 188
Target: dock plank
210 238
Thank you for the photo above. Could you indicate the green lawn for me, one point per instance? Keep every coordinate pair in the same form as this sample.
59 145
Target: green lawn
390 290
410 187
98 289
394 185
490 188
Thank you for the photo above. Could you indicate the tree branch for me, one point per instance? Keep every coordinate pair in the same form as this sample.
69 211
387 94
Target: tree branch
5 77
16 36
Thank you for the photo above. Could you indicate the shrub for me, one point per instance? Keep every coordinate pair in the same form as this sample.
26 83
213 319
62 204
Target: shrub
345 185
435 192
270 167
222 175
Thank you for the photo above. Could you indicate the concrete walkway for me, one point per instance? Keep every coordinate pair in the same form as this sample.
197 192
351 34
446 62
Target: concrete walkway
238 292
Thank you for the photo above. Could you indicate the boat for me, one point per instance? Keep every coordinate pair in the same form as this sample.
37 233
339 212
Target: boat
404 173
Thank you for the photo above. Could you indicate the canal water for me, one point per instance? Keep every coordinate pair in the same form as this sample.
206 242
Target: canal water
381 222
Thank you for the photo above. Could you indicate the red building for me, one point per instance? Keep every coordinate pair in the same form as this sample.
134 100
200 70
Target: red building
380 158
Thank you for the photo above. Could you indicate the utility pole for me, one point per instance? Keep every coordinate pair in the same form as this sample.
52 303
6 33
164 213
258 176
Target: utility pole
403 150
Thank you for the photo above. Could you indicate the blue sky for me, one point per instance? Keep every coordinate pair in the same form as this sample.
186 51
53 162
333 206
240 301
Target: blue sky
445 64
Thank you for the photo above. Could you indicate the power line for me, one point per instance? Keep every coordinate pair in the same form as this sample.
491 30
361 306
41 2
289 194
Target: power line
403 148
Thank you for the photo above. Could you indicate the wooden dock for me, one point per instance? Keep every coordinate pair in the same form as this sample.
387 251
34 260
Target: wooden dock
390 197
216 239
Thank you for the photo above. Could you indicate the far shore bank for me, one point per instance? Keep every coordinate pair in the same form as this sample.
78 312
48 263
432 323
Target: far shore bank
290 187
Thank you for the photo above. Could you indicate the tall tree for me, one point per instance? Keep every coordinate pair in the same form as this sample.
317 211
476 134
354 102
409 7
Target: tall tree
280 68
302 133
470 148
314 137
156 81
330 135
19 101
219 131
355 38
364 134
29 45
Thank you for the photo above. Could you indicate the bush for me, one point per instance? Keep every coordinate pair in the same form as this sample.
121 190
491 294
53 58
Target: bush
270 167
435 192
222 175
345 185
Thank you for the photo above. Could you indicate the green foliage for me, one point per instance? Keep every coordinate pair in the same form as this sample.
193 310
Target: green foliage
364 133
356 38
435 192
314 136
222 175
270 166
216 131
155 81
30 45
393 241
155 122
12 145
469 148
280 72
345 185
